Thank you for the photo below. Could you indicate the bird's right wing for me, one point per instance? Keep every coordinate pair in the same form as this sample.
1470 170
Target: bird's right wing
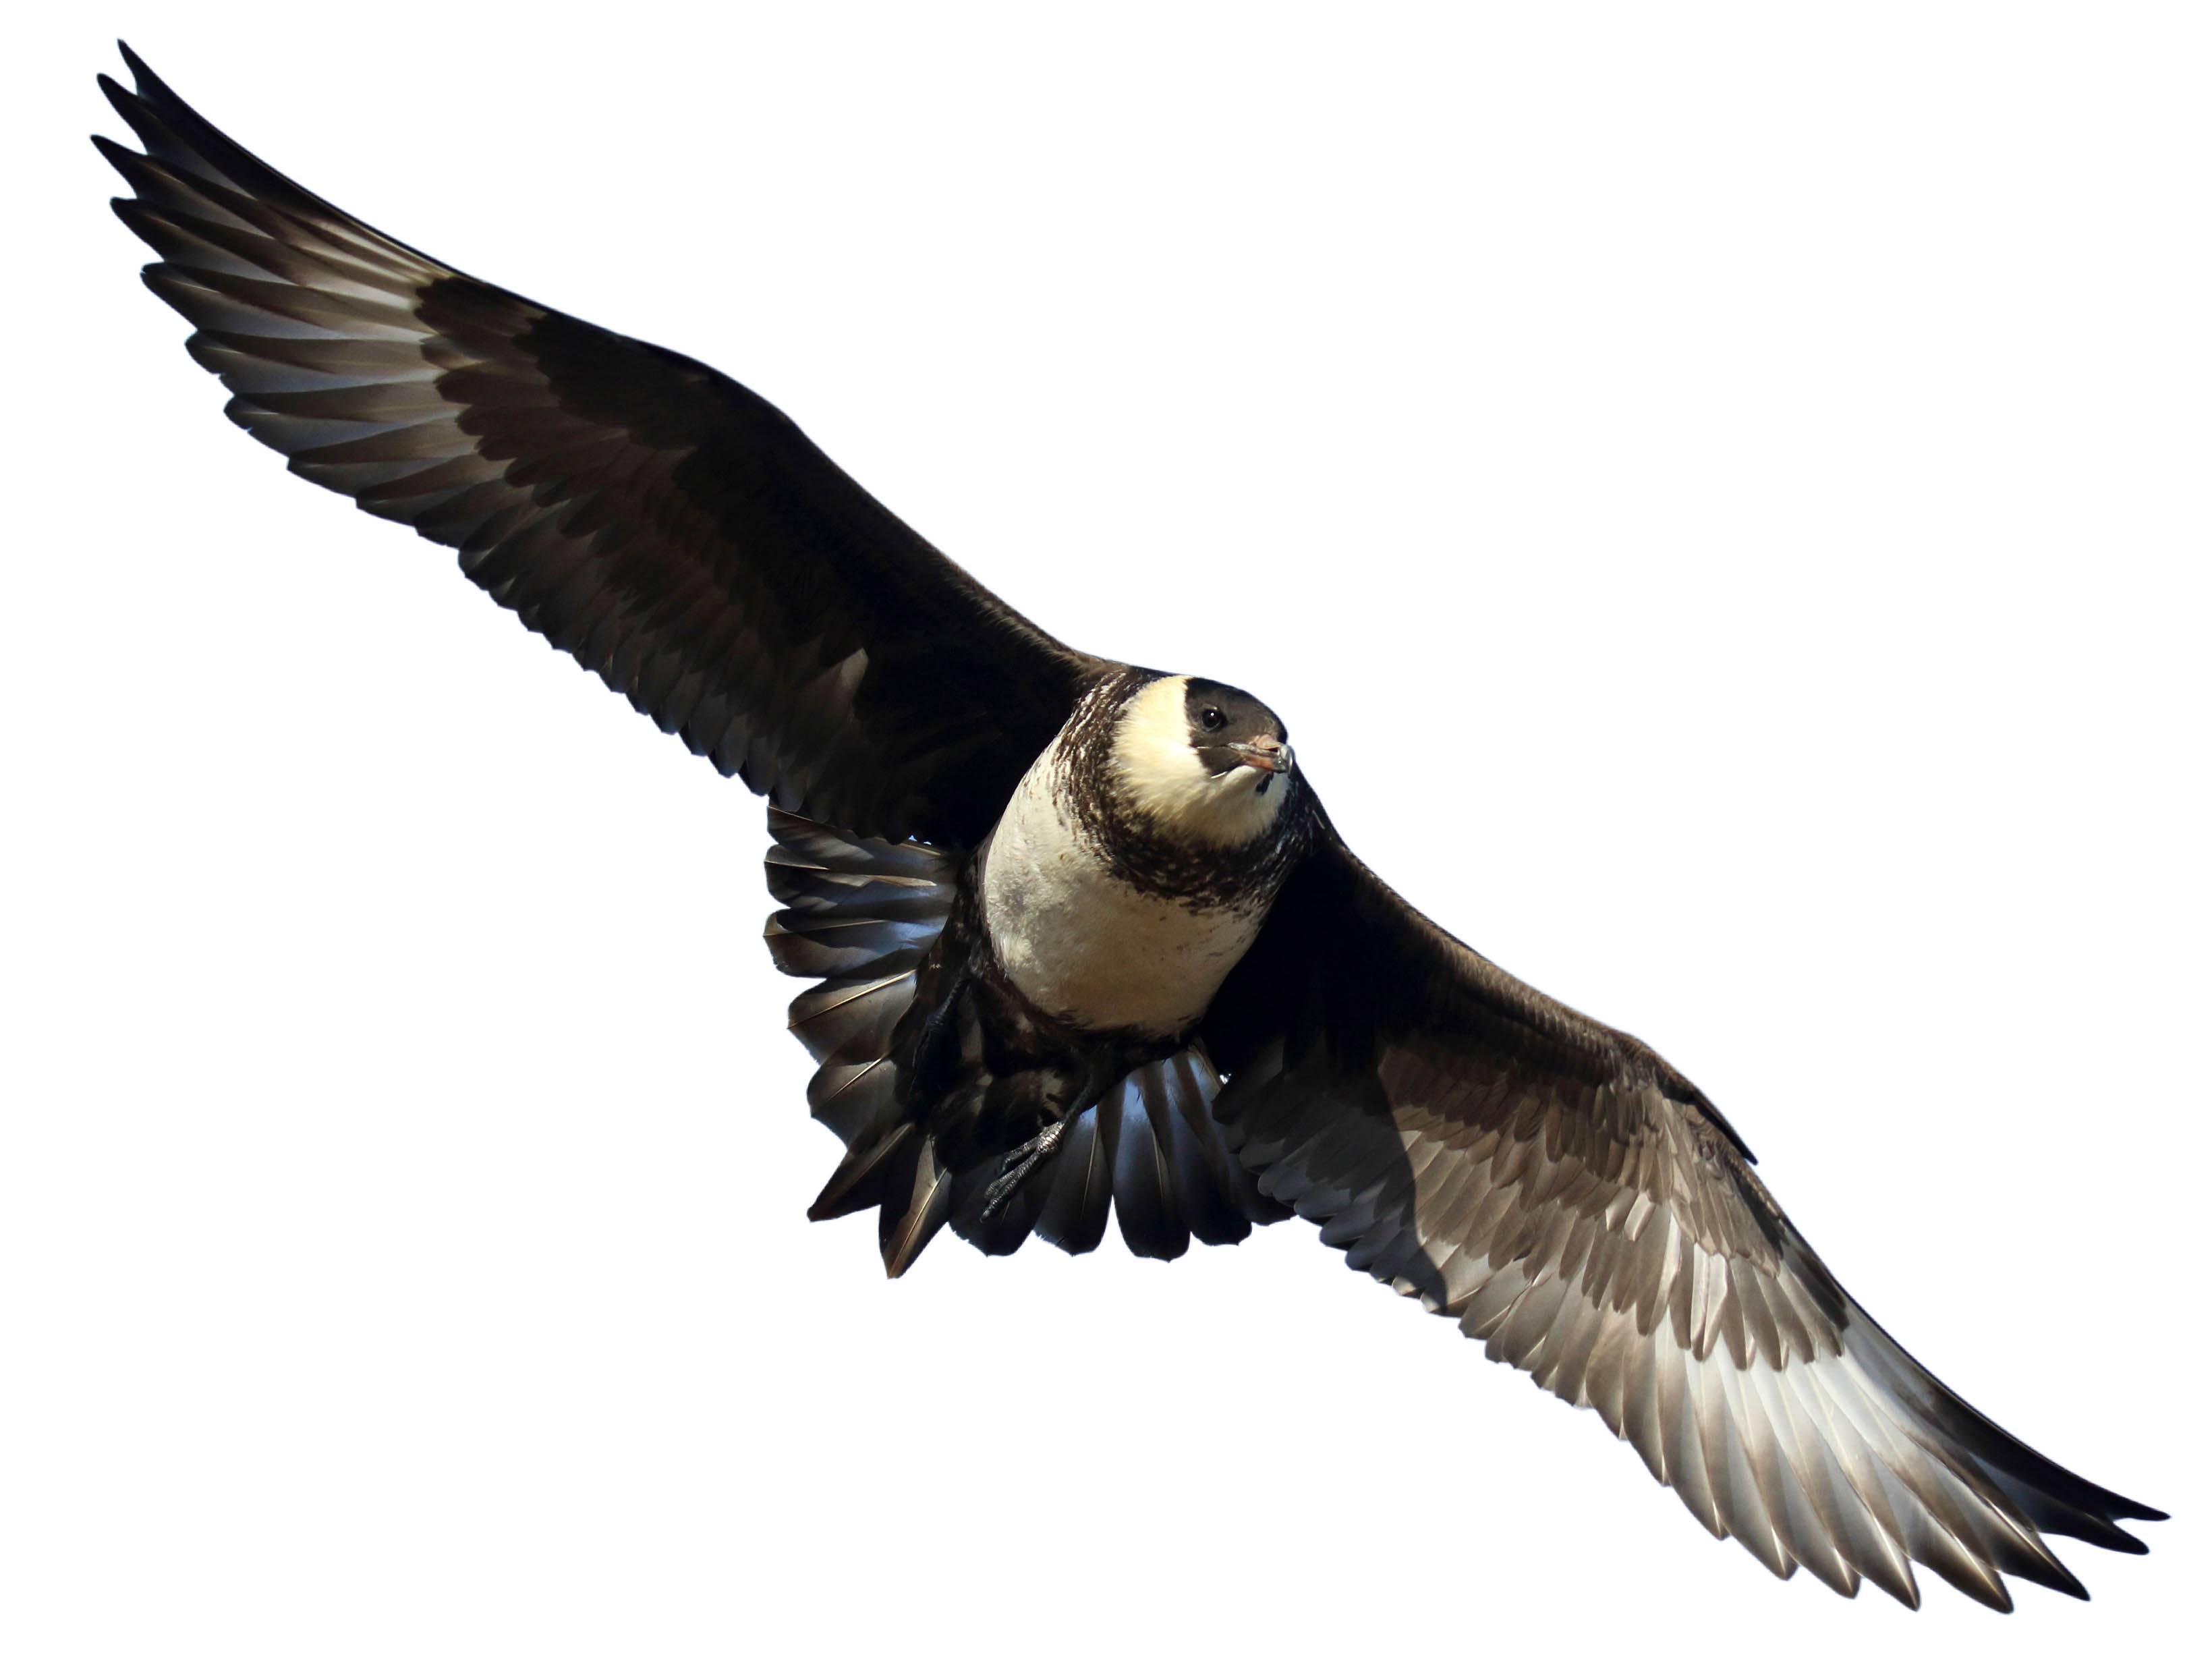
1579 1205
669 529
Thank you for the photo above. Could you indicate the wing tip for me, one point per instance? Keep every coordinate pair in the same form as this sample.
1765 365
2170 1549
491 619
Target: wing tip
119 97
146 84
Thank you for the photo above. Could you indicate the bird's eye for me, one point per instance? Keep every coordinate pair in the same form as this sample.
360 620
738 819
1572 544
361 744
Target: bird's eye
1212 719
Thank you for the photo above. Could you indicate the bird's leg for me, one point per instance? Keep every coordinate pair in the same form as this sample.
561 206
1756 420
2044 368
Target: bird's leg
1020 1164
1016 1166
934 1043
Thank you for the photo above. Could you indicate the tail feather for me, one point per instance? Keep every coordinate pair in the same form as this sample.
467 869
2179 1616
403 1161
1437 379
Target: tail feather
858 1181
1219 1200
859 1103
861 916
827 1016
1151 1153
1074 1215
1143 1190
904 1226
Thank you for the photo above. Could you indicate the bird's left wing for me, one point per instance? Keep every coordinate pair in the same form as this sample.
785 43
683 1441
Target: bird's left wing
671 531
1576 1204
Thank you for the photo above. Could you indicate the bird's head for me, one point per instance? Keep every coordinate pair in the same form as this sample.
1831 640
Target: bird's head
1204 761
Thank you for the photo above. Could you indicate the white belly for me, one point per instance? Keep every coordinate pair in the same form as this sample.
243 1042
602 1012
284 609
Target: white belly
1083 944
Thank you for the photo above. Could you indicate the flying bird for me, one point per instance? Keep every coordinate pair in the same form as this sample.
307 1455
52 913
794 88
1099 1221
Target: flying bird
1084 940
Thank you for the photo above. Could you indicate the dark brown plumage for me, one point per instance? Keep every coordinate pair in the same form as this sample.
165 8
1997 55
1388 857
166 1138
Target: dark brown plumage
1551 1184
675 533
1577 1205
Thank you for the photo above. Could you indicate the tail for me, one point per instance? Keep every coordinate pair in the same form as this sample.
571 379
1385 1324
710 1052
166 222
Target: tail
862 916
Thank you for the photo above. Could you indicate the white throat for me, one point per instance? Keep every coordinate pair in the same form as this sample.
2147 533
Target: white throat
1163 779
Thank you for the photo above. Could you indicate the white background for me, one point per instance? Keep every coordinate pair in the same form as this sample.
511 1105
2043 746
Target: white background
1719 495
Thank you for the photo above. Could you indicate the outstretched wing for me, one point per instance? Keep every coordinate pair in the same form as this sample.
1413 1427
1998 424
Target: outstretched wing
671 531
1577 1205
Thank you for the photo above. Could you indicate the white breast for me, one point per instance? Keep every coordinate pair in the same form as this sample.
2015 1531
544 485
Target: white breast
1083 944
